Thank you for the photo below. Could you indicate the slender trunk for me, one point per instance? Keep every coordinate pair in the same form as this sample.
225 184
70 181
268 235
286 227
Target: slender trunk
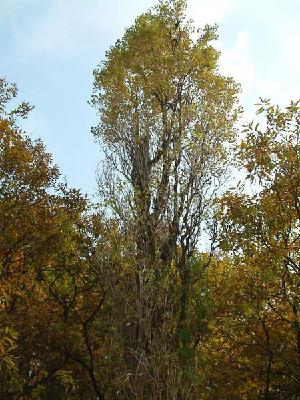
297 330
269 364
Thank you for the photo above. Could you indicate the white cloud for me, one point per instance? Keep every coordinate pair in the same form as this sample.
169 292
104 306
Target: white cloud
63 28
10 9
236 61
210 11
277 58
285 70
272 71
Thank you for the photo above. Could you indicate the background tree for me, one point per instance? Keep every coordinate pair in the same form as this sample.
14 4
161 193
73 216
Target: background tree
50 292
261 232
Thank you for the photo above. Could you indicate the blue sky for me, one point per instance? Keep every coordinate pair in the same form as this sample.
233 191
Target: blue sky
50 47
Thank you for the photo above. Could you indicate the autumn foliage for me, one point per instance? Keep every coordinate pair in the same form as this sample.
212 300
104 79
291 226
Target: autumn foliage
176 284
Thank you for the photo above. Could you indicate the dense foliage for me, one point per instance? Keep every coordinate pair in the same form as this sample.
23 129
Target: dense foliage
120 300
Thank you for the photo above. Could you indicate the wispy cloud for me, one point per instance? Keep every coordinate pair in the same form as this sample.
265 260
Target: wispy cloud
236 61
63 28
12 9
281 80
210 12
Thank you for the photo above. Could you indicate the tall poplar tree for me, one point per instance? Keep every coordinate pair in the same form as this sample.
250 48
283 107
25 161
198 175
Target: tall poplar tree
166 125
